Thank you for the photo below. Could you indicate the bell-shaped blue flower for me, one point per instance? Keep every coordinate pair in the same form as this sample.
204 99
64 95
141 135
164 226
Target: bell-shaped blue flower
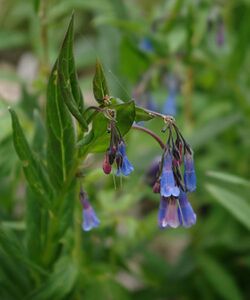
168 213
168 185
186 214
90 220
189 172
123 164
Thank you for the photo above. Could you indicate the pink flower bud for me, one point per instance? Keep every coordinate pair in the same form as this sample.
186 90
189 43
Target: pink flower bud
106 166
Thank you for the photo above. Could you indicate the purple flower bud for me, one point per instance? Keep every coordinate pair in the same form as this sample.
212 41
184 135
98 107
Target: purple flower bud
186 214
189 172
168 185
90 220
123 164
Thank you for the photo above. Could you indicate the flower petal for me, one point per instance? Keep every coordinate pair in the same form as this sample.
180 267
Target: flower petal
90 220
186 214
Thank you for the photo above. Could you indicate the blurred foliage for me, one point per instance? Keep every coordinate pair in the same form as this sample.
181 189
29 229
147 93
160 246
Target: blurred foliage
127 257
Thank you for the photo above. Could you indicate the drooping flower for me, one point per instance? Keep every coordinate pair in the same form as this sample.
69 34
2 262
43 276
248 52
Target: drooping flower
168 213
175 212
172 218
90 220
186 214
168 184
189 172
124 166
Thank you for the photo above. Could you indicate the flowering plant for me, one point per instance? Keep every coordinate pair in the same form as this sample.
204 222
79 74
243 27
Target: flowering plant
69 140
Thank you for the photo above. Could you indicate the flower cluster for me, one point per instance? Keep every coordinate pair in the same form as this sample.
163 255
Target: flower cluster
175 209
116 153
174 173
90 220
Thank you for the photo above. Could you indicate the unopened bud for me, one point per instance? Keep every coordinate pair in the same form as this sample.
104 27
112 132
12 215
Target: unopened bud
106 166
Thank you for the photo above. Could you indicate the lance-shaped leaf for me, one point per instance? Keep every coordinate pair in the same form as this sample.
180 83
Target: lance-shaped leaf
67 78
234 203
100 88
60 283
33 170
61 134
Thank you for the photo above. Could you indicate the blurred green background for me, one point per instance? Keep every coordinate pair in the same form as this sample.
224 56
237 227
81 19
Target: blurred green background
204 45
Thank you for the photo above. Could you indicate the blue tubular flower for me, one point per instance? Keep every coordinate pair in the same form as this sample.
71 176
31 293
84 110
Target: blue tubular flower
123 164
168 213
168 186
169 107
90 220
189 172
186 214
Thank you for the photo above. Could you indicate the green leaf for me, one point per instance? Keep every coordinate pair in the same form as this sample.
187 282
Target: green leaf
142 114
61 133
219 278
98 138
33 171
125 116
34 228
236 205
204 134
230 178
100 88
39 138
60 282
107 289
67 78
